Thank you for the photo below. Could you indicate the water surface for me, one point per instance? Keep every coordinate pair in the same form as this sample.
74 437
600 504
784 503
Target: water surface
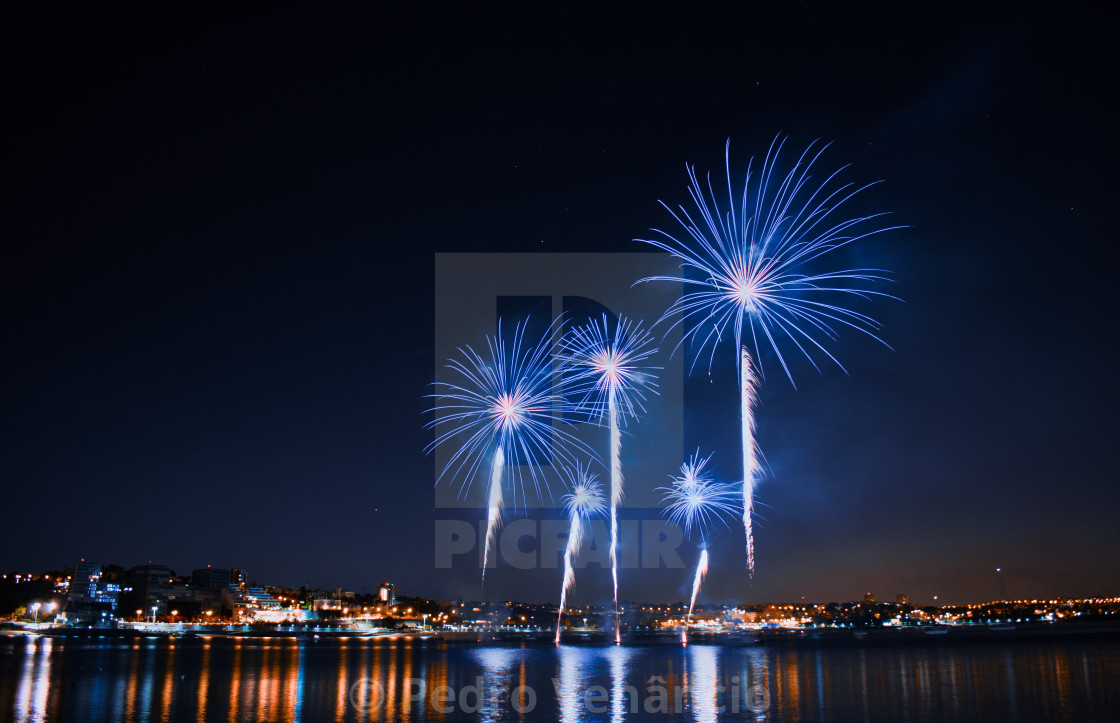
231 679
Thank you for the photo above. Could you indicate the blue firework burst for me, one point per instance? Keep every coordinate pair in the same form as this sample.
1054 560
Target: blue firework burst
695 499
504 400
751 265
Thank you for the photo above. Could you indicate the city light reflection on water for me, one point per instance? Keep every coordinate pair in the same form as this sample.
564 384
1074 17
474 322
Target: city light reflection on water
570 684
702 682
622 696
402 679
34 683
496 664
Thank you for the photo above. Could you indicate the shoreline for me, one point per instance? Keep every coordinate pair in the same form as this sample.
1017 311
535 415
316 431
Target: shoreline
807 637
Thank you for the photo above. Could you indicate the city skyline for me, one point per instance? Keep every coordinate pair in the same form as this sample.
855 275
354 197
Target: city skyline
597 599
66 593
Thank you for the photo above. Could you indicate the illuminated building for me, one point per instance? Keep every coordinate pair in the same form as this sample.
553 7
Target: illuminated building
90 601
387 594
258 597
83 584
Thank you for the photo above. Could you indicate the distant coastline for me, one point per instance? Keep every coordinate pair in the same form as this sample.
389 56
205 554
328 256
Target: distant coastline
766 636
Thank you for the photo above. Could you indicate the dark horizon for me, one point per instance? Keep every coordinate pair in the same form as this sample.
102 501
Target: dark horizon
220 282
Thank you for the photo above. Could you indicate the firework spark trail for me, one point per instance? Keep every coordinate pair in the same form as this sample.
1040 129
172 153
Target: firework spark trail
616 496
585 501
575 532
575 535
607 367
493 508
506 401
746 265
701 571
748 385
616 485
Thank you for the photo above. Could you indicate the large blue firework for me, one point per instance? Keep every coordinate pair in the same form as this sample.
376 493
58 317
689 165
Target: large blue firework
505 406
751 263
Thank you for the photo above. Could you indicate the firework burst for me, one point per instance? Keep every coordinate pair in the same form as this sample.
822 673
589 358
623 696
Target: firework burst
504 408
694 501
748 268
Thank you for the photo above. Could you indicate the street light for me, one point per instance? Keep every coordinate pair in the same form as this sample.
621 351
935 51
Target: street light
154 608
35 607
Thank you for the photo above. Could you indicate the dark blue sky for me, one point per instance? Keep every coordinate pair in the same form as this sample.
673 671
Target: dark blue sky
220 233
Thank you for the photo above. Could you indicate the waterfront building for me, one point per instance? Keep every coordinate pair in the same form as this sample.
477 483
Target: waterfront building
148 586
258 597
89 600
84 581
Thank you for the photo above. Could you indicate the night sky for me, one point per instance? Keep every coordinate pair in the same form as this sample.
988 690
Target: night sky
220 235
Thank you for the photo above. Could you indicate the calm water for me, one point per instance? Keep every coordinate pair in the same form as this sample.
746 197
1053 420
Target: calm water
414 680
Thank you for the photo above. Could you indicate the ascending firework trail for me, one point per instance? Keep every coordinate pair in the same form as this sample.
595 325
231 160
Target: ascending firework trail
584 502
605 365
